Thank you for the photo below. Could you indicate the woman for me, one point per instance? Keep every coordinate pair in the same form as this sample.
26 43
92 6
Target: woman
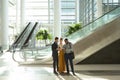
61 60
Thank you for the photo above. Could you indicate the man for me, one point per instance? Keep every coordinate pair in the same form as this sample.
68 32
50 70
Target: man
68 49
55 55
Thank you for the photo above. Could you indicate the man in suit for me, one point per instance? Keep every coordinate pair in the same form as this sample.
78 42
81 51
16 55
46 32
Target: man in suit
55 54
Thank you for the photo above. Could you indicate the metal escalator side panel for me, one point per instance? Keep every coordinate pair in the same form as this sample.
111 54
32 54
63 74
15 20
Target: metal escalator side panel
25 36
19 37
91 27
96 41
22 32
26 43
32 40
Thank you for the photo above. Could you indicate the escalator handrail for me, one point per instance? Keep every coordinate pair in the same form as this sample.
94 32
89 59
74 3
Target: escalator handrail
22 37
70 36
22 33
101 16
25 36
29 36
33 37
19 37
96 19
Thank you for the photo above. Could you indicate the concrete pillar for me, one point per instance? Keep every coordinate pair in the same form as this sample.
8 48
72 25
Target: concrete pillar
4 35
99 8
0 22
17 27
22 16
48 11
57 18
77 4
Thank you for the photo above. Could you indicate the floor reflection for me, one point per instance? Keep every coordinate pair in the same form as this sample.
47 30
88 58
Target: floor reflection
9 70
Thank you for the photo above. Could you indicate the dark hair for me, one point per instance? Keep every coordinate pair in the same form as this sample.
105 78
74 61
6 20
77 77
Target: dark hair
66 39
56 38
61 38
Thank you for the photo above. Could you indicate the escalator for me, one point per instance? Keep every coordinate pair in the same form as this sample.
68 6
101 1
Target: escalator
90 39
99 39
23 38
95 37
26 36
19 37
26 43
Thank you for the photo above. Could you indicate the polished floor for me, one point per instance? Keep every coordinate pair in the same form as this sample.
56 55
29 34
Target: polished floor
10 70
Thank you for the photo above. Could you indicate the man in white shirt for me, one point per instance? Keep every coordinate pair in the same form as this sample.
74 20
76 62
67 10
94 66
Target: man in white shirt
68 49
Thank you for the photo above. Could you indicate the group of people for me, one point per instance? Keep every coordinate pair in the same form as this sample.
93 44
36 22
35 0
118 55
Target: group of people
61 56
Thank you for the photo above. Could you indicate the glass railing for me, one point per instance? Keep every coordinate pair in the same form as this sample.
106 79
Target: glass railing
88 29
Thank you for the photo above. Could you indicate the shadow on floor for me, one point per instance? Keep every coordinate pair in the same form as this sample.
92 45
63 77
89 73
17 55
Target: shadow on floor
65 76
99 72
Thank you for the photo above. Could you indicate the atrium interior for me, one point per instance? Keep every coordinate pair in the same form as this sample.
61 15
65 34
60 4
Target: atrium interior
28 29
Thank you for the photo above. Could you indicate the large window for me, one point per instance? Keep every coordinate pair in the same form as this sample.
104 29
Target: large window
110 4
68 14
42 10
37 10
87 11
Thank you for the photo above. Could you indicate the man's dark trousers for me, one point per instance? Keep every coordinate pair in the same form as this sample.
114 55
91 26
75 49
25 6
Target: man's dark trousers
55 56
68 58
55 62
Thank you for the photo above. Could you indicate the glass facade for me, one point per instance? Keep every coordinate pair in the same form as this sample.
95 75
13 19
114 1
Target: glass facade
110 4
89 9
43 11
68 11
36 10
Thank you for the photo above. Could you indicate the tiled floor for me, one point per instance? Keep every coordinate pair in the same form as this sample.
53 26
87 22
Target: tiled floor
10 70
